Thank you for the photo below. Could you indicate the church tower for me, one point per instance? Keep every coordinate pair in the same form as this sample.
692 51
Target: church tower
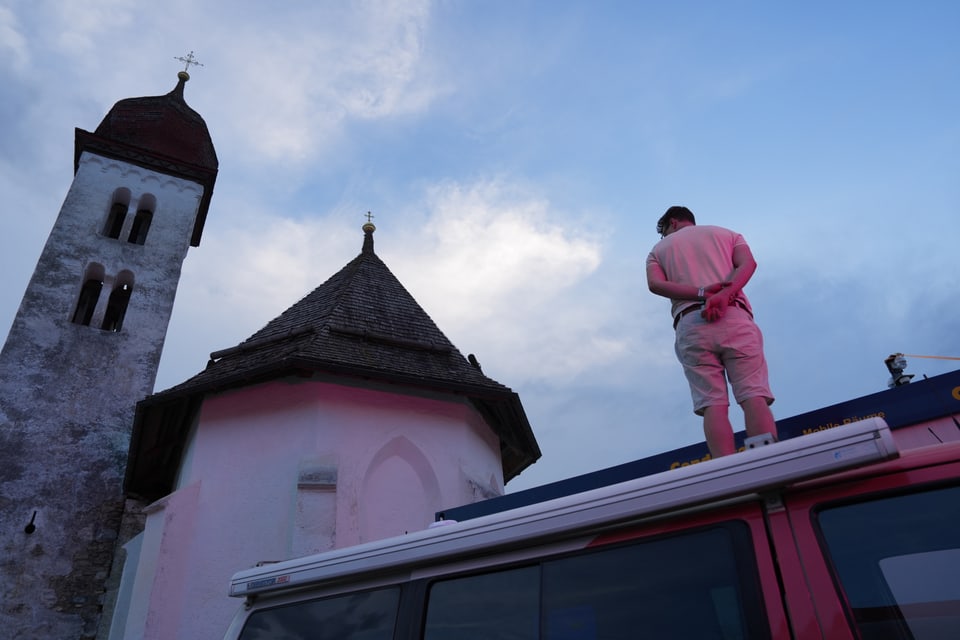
84 349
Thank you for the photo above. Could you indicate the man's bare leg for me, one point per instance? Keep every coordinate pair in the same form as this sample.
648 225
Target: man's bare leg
758 417
718 431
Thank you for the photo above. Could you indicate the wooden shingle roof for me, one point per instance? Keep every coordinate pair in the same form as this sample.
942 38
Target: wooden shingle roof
360 324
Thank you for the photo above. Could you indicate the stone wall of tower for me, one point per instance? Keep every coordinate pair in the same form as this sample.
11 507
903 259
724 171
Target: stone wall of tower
68 392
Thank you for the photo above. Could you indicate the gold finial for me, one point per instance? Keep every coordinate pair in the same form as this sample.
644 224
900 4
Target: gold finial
187 61
369 227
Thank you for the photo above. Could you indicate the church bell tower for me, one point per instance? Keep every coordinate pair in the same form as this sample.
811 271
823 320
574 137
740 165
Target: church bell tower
84 349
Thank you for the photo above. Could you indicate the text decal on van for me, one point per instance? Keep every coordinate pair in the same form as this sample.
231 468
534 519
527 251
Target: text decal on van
267 582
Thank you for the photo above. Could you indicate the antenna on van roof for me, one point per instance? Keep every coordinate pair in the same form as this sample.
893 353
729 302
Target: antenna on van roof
896 363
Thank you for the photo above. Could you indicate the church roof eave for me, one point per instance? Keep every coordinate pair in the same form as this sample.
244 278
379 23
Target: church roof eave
163 420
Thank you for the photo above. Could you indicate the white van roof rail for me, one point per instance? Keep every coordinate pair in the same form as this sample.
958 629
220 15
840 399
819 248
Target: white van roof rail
752 471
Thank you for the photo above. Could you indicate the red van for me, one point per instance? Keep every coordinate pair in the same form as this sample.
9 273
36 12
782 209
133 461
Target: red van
840 533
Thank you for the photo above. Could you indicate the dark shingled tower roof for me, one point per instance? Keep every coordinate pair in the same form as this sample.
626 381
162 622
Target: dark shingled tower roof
360 324
161 133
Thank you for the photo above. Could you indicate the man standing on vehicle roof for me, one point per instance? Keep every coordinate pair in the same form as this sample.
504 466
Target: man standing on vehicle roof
703 270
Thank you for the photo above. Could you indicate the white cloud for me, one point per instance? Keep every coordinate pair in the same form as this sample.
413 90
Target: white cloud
501 273
497 264
300 77
252 268
383 63
13 44
279 83
491 243
82 28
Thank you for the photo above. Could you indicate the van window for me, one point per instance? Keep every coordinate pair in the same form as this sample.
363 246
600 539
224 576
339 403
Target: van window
490 606
698 585
364 615
898 561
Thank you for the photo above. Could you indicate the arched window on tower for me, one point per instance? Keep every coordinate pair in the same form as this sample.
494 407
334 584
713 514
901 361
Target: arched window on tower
141 225
141 222
117 214
89 294
118 301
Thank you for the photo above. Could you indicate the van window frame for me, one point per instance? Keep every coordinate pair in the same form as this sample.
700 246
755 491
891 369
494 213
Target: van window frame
828 598
831 559
299 602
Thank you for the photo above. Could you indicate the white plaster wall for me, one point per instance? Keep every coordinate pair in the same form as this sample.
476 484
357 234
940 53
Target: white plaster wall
165 559
398 459
117 629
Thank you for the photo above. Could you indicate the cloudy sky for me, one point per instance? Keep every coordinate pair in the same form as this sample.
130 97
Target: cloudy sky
516 156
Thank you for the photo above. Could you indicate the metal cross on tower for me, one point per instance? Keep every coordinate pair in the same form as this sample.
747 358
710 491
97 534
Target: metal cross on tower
188 60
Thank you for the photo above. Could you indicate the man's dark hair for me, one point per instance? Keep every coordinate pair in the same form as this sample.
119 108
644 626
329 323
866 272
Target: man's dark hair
675 213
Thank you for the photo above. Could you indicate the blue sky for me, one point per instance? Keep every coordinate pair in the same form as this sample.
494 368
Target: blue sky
516 156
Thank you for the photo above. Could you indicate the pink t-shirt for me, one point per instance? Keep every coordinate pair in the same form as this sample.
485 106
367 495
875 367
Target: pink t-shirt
699 255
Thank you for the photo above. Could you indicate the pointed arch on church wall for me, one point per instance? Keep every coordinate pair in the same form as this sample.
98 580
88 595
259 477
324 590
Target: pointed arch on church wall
400 491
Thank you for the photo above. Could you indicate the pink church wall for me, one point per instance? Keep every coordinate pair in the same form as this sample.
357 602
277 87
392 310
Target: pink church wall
170 525
294 466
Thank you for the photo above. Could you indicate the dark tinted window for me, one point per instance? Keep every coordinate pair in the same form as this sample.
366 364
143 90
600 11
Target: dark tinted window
898 561
367 615
685 586
493 606
698 585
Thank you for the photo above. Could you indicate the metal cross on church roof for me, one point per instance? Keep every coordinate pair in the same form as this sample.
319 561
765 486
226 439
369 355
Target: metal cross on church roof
188 60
